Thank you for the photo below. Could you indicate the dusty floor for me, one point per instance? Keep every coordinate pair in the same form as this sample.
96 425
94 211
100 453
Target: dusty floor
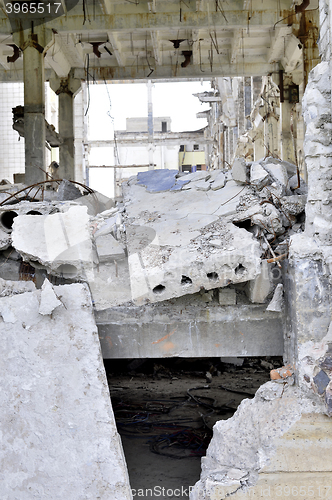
164 428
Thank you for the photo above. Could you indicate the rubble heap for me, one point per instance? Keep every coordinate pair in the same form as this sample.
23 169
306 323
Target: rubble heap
173 234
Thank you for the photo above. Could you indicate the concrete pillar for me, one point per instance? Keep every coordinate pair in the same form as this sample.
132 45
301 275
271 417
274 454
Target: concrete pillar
150 125
34 105
259 149
66 89
271 136
288 140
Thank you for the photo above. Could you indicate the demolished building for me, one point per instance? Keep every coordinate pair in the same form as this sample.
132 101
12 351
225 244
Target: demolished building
219 262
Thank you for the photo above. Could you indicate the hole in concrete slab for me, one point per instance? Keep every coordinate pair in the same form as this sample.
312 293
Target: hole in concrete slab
240 269
67 270
159 422
185 280
212 276
159 289
7 219
34 212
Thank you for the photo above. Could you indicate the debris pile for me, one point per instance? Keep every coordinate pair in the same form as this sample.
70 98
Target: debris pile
173 234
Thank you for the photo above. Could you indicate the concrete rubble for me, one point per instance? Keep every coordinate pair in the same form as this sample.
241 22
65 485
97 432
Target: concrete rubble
264 447
59 438
173 234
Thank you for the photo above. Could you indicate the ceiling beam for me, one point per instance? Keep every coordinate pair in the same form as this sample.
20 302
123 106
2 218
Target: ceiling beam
56 58
156 47
194 71
236 44
279 42
160 21
114 41
195 46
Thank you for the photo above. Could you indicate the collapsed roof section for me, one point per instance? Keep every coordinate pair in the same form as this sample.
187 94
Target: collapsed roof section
173 234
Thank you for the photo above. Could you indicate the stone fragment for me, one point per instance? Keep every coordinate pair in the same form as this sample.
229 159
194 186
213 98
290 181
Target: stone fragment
295 204
276 303
180 183
321 381
281 373
326 364
278 172
96 203
239 170
60 242
202 186
218 182
259 288
196 176
227 296
259 177
157 180
68 191
15 287
108 248
48 300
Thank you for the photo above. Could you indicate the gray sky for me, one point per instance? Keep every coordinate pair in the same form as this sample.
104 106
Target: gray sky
130 100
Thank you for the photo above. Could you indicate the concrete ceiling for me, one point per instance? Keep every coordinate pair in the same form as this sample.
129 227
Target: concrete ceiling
162 39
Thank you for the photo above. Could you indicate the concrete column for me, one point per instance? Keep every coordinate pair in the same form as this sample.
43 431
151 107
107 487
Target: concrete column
66 89
259 148
34 108
271 134
150 126
288 145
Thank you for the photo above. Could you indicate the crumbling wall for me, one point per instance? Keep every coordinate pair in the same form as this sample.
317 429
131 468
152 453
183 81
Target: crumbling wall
275 446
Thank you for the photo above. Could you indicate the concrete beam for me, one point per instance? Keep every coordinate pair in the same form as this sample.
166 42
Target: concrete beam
184 330
193 71
235 19
170 139
56 58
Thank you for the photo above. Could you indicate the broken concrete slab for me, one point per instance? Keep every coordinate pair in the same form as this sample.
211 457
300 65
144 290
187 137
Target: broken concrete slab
196 176
218 181
60 242
239 170
259 288
48 299
277 301
266 443
59 438
9 288
108 248
202 186
157 180
96 203
278 172
259 177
